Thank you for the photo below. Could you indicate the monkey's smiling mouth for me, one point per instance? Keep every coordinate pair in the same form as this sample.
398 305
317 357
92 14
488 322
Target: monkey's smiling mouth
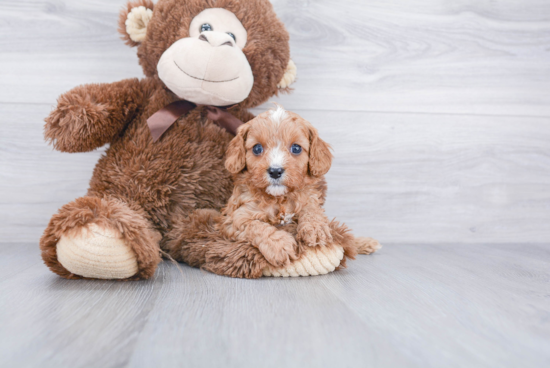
201 79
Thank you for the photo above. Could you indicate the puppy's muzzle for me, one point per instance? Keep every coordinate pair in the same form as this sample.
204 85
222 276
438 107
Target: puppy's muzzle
275 172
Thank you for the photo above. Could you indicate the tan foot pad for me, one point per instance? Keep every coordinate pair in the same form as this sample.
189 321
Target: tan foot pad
316 261
97 253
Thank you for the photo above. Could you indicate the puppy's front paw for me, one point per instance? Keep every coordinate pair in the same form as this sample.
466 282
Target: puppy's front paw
314 233
279 249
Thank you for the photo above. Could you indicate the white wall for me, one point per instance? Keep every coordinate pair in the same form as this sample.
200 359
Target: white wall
439 113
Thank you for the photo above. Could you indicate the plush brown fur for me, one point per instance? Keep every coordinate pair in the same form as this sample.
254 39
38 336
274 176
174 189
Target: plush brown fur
156 184
257 229
130 224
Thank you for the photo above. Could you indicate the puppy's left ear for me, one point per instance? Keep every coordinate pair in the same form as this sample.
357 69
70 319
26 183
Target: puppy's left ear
235 161
320 157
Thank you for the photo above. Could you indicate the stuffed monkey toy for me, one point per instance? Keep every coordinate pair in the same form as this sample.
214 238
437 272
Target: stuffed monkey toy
230 53
206 62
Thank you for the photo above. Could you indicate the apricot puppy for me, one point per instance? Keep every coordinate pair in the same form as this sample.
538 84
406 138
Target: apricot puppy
279 163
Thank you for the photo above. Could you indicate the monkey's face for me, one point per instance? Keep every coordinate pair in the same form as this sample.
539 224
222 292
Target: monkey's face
209 67
220 53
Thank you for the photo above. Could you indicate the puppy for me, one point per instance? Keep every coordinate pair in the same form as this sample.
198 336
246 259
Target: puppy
279 163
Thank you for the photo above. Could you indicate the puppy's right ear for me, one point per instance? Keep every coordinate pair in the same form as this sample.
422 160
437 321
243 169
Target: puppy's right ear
235 161
133 21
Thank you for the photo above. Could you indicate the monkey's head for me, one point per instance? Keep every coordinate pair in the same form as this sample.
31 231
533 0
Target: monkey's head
211 52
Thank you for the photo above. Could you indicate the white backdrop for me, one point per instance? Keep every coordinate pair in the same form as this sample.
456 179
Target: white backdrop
439 113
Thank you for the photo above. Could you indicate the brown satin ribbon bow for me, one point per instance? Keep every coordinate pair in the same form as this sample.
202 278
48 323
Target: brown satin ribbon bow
163 119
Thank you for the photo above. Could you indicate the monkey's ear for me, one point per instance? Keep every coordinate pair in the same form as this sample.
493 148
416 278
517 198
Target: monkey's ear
290 75
320 157
133 21
235 160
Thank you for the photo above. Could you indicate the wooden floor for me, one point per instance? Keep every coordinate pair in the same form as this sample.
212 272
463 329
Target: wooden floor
407 306
439 116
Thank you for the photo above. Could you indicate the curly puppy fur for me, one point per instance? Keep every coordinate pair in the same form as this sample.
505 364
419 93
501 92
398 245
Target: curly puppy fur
139 186
197 240
268 220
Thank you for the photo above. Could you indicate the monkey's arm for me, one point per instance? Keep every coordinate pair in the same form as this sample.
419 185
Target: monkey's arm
89 116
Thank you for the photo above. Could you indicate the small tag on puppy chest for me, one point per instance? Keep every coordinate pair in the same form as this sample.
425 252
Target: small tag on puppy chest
286 218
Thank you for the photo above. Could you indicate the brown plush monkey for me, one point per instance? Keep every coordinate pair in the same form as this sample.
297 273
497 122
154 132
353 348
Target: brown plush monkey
208 52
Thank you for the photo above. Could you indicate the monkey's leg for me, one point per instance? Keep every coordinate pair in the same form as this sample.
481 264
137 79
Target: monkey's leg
195 241
100 238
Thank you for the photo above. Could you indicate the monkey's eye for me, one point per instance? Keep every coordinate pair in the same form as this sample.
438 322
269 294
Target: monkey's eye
206 27
296 149
232 36
257 149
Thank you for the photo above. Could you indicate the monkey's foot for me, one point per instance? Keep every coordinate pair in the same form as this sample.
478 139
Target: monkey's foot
97 252
101 238
314 261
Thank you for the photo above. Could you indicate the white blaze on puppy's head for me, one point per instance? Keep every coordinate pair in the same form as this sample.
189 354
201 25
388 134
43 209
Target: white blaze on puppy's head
277 160
278 115
277 156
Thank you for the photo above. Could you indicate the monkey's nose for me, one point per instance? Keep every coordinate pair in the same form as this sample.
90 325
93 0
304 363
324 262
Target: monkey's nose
275 172
216 39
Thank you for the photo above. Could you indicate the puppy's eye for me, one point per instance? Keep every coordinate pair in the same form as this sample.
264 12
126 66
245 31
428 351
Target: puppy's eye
206 27
232 36
257 149
296 149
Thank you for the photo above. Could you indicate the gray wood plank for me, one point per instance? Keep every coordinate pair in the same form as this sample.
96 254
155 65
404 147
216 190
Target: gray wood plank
455 306
432 56
397 177
254 323
406 306
445 57
52 322
35 180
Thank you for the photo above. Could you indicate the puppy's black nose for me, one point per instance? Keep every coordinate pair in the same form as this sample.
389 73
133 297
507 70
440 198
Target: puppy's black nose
275 172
